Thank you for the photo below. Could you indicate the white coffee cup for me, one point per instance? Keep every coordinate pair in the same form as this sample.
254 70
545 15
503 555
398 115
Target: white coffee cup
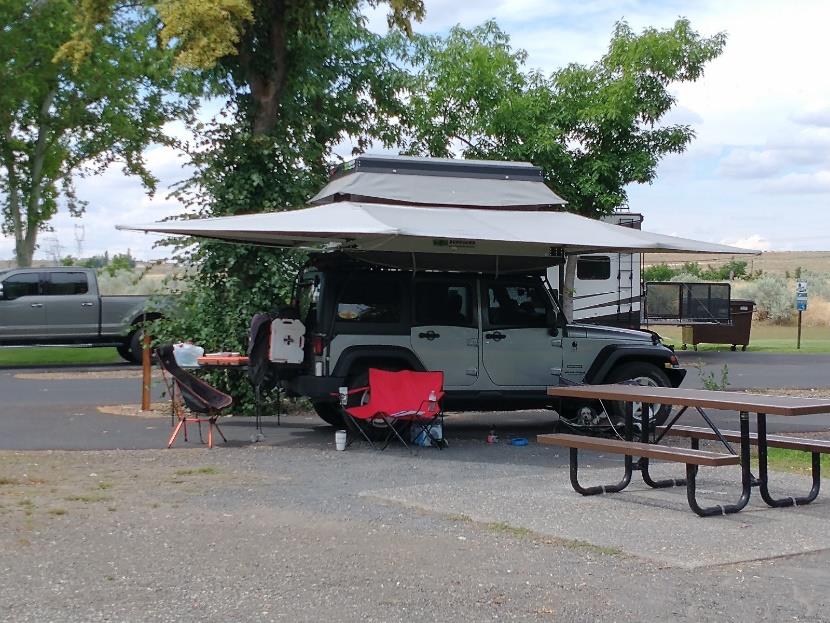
340 440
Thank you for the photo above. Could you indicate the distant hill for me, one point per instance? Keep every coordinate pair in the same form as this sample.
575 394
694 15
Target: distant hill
775 262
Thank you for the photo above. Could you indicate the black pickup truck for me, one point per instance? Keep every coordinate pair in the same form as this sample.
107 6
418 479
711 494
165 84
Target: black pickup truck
57 306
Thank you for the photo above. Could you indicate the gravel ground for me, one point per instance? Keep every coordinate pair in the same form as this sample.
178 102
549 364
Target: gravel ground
282 533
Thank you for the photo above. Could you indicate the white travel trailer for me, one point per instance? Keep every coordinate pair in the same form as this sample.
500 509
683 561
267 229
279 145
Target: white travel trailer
607 288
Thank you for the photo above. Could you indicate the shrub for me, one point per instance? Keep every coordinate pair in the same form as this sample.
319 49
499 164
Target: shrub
817 283
773 298
658 272
684 277
134 281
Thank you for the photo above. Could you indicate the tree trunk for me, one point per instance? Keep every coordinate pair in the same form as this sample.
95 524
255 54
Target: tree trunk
26 242
267 86
568 290
13 199
24 252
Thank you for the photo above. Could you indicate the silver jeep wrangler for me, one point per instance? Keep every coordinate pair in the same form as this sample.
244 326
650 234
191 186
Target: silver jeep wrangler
500 340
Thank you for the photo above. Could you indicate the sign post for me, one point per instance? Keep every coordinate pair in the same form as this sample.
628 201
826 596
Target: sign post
800 305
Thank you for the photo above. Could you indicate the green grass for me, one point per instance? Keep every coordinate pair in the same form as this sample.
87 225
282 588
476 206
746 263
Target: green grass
499 527
764 338
782 460
57 355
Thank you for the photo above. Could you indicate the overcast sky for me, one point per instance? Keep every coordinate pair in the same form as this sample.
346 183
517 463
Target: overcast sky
757 175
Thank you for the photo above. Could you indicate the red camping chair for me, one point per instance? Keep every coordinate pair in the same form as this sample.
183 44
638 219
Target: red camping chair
198 396
413 398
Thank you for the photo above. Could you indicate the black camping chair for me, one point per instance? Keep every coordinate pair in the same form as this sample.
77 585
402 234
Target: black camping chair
260 371
198 397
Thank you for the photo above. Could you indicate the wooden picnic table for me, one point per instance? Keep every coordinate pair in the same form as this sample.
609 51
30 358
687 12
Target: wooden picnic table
699 399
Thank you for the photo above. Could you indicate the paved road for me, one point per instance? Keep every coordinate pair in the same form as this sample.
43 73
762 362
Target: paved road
758 370
62 414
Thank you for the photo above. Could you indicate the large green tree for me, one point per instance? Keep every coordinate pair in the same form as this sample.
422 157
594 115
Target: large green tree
593 129
299 77
59 120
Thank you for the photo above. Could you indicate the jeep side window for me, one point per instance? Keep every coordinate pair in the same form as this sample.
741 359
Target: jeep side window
516 305
370 300
443 303
24 284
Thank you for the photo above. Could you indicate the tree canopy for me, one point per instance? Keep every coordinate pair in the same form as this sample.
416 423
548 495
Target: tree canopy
593 129
59 120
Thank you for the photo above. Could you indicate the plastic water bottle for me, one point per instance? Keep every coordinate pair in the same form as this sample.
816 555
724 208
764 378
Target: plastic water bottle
433 400
186 354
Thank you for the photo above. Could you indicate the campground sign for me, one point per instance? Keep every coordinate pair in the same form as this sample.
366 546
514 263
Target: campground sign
801 296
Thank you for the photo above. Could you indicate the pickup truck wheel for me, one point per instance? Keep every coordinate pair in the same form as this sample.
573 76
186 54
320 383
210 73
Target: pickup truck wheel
641 373
137 345
125 351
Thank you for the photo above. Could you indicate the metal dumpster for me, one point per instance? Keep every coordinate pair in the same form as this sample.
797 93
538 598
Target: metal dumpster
735 333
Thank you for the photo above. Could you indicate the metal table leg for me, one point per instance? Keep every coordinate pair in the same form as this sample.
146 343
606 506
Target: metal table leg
643 462
763 475
626 480
746 480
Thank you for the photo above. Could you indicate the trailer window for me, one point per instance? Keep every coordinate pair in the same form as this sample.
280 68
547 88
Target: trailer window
593 268
66 283
370 301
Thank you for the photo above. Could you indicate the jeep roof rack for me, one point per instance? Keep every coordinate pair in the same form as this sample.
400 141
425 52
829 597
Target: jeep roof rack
443 167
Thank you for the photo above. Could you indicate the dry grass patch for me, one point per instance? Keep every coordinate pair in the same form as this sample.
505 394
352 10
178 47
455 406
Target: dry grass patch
89 497
210 471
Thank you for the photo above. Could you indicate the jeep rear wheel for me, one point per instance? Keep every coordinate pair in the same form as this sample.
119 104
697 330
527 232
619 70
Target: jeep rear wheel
641 373
330 413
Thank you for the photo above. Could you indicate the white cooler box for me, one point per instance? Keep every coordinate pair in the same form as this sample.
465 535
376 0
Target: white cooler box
287 341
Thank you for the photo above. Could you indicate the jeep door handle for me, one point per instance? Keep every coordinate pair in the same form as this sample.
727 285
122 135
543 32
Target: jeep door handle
87 304
36 305
429 335
497 336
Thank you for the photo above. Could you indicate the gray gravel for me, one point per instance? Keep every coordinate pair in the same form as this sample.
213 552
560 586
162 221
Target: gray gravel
293 531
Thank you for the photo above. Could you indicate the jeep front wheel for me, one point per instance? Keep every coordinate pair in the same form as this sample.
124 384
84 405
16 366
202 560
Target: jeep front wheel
641 373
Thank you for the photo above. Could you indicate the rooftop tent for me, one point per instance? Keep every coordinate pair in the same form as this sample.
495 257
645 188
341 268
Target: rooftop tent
471 183
434 237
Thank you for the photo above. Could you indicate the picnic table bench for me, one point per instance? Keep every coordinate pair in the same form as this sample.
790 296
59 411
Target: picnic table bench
694 457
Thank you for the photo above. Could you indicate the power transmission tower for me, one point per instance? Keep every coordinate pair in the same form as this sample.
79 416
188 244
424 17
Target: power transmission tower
80 236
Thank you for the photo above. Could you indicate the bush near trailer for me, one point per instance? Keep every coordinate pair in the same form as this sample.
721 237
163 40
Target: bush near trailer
773 298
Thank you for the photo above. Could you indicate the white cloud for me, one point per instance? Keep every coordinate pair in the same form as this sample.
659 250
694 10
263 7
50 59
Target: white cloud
800 183
816 116
754 241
